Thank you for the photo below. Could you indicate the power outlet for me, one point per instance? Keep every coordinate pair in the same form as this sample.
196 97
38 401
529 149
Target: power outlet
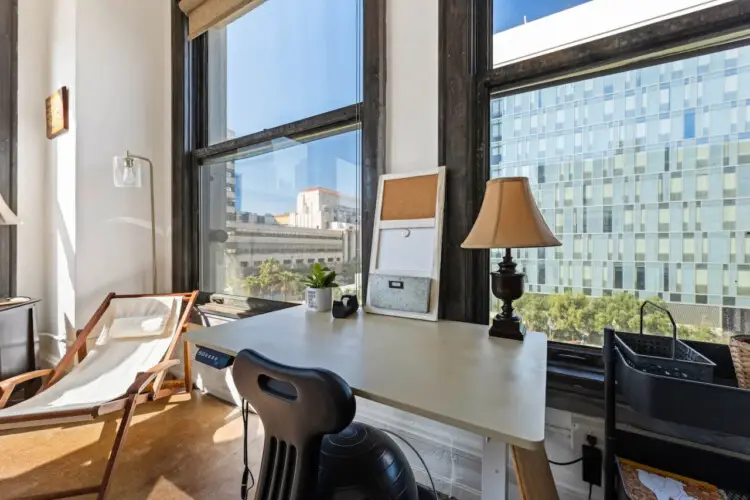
592 462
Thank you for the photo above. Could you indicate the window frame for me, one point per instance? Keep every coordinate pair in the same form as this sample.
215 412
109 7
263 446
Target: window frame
8 136
466 62
190 145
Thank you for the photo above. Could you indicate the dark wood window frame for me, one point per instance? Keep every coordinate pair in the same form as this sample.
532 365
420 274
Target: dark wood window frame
190 136
8 139
467 80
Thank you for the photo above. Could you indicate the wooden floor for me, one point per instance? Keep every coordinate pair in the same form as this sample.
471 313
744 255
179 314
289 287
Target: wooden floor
184 449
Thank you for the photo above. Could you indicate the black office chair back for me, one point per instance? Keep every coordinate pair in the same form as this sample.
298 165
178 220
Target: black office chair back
297 407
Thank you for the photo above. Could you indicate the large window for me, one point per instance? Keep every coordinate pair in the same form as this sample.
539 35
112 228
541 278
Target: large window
643 175
280 175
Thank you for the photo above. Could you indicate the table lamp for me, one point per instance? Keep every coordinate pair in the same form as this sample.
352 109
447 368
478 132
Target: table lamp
509 218
7 217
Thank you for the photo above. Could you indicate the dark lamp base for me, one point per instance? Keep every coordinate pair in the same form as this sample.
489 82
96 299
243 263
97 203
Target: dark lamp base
507 328
507 285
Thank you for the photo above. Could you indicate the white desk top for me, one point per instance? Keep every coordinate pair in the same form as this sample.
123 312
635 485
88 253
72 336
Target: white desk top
446 371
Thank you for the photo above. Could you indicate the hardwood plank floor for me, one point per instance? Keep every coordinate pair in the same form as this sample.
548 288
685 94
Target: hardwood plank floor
184 449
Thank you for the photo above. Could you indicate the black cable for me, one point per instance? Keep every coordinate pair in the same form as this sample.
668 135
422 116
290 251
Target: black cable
566 463
247 473
432 483
591 488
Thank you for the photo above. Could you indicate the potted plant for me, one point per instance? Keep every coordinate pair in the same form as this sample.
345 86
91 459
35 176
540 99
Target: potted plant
320 283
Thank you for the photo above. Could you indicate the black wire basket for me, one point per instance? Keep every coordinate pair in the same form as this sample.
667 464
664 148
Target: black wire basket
664 355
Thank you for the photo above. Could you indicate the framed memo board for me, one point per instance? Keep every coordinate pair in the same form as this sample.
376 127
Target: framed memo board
407 245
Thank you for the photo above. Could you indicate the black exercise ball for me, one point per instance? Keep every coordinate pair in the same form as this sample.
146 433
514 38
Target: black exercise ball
362 462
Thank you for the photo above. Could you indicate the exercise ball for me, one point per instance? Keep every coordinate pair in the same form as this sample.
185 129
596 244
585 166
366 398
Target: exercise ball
362 462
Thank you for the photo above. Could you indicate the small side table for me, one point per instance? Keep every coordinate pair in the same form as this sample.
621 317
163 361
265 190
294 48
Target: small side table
18 339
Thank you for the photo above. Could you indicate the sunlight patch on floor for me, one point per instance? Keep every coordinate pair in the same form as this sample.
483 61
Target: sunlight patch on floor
164 489
233 428
19 459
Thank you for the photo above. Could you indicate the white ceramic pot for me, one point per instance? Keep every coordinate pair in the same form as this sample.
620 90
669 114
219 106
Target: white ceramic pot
319 299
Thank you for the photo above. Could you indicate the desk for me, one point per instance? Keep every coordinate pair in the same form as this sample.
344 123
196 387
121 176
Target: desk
446 371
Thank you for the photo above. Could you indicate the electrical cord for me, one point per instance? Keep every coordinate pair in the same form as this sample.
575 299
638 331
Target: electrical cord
247 474
591 488
432 483
566 463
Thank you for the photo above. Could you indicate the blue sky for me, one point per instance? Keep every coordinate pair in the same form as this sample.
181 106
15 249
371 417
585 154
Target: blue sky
290 59
509 13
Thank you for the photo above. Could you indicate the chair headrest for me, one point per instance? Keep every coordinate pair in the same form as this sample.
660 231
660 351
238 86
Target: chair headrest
295 404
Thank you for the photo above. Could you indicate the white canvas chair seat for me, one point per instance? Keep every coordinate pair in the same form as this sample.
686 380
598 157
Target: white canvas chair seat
110 366
132 340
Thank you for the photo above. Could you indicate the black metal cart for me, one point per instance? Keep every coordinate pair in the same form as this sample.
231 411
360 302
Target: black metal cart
699 404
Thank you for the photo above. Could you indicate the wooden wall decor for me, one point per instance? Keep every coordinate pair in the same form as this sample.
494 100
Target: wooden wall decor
57 113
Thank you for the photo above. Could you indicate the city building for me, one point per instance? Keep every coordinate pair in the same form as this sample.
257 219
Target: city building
238 193
644 176
324 228
323 208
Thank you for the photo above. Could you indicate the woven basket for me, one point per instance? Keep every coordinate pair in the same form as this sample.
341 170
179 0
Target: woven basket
740 349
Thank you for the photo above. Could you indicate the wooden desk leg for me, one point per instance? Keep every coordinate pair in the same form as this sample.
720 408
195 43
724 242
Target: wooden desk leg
535 481
494 470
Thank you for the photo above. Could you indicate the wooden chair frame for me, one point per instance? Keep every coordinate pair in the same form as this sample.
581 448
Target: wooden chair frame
147 386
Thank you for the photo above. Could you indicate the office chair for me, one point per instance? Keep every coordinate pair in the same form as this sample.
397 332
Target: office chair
312 449
297 406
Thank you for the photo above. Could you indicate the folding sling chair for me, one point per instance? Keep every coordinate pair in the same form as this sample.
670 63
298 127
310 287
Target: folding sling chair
133 338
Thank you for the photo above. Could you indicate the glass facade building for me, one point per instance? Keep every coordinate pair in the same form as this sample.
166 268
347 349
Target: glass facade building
644 176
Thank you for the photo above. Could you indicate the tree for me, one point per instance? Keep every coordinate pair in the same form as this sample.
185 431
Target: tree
570 316
273 280
349 270
574 317
532 307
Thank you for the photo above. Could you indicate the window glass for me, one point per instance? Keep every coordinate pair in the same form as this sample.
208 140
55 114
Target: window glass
672 231
281 62
271 212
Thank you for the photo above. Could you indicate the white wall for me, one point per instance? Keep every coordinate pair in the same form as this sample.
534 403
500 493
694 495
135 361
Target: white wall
412 85
81 237
33 78
61 195
123 63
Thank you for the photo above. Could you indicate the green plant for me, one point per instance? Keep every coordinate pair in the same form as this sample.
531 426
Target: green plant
272 280
320 277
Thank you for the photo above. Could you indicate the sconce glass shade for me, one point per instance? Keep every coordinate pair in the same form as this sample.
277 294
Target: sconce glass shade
127 172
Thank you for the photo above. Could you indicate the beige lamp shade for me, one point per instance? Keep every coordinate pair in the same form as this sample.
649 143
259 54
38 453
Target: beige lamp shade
509 218
7 217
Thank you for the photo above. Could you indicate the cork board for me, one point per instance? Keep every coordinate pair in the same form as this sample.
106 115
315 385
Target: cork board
410 198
